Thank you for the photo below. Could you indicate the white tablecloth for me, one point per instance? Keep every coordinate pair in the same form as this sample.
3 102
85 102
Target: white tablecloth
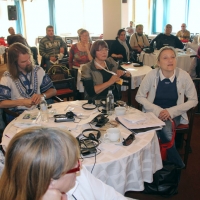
137 74
2 49
123 167
183 59
129 167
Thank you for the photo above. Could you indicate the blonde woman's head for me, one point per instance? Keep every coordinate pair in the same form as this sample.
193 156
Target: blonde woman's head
34 157
166 58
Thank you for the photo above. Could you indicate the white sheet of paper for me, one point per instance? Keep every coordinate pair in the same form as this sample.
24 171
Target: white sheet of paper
133 118
151 121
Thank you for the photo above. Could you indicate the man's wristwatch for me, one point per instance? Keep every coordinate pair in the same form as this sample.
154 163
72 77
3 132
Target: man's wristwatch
44 95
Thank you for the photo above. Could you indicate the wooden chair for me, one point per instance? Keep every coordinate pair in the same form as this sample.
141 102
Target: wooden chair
186 131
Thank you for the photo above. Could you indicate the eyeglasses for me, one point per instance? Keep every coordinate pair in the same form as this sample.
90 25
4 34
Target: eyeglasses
74 170
129 140
103 50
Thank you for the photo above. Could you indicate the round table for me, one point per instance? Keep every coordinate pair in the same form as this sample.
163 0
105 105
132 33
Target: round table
137 74
125 168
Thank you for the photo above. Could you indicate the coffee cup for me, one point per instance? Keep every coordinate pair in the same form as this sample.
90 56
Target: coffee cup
120 111
113 134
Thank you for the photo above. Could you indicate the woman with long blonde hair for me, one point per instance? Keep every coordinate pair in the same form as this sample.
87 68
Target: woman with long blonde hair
37 165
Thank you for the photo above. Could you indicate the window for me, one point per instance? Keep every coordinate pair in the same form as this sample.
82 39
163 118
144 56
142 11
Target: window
175 13
72 15
40 16
142 13
192 25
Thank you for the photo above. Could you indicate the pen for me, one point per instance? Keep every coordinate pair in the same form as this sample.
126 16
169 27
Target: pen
66 108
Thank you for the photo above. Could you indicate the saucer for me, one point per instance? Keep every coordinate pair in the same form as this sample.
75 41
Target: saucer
119 141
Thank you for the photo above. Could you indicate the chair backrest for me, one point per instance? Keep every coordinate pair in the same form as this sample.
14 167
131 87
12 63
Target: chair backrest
39 38
65 87
68 41
109 42
127 82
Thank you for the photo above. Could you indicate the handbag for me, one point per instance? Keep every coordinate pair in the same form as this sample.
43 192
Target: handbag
58 72
165 181
148 49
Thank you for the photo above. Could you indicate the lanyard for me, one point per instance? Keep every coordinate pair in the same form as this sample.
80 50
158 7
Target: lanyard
120 82
96 63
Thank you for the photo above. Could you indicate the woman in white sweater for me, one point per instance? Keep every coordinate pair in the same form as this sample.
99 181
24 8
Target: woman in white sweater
163 91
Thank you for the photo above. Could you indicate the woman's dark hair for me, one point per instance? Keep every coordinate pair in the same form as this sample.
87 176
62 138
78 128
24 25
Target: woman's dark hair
17 38
119 32
97 45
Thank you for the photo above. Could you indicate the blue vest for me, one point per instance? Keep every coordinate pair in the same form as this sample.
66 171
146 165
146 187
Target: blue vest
166 93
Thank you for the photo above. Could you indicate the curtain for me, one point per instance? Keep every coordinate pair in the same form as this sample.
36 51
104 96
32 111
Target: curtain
19 21
154 8
166 12
187 8
52 15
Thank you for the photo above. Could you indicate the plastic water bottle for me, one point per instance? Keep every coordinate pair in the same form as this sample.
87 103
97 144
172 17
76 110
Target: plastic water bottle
44 110
110 103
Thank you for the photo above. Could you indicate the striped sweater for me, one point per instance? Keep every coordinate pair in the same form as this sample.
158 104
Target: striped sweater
49 48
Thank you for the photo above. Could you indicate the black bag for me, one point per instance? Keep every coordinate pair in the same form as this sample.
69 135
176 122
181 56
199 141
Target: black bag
165 181
148 49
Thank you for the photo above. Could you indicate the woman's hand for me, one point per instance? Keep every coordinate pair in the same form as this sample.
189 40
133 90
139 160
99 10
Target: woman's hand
164 115
114 79
120 73
53 194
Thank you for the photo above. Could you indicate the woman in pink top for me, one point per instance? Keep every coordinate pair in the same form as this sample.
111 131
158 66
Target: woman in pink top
80 52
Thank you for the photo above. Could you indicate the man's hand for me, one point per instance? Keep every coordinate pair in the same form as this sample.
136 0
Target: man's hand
62 50
27 102
36 98
52 58
164 115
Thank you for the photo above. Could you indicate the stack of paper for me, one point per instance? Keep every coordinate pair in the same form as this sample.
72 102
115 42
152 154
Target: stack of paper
141 122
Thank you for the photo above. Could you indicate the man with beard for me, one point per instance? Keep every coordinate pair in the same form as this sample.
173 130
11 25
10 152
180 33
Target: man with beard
23 85
138 40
